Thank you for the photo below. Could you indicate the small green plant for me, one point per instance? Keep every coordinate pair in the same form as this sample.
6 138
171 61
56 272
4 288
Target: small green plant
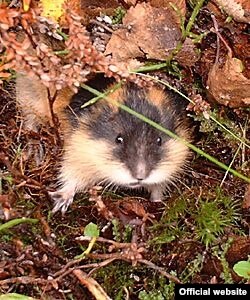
242 268
192 268
233 130
115 277
154 295
16 222
8 178
170 226
91 230
205 219
161 291
118 16
6 238
220 252
116 231
212 217
121 234
14 296
127 233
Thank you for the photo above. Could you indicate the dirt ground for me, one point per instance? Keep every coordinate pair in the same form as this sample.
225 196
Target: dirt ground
141 248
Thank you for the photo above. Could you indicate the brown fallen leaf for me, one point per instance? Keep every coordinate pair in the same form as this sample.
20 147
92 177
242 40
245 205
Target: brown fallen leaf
246 201
93 8
179 5
130 210
239 249
227 85
188 55
131 2
148 32
238 9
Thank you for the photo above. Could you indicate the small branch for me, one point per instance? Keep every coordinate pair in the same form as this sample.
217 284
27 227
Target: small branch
63 272
92 285
24 280
102 25
28 181
219 37
160 270
53 116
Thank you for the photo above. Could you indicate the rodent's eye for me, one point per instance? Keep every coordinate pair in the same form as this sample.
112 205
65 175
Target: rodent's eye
119 139
159 141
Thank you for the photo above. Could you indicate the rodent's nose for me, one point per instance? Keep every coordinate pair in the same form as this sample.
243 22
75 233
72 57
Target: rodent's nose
140 179
141 171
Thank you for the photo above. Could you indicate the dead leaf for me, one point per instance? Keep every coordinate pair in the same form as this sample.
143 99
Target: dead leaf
179 5
238 9
130 211
93 8
239 249
188 55
227 85
149 32
246 201
132 206
130 2
52 9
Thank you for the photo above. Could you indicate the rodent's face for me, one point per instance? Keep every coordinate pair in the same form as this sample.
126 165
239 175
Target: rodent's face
134 153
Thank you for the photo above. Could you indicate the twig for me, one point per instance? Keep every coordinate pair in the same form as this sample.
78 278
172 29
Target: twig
160 270
63 272
219 36
24 280
53 116
92 285
217 39
103 240
31 182
102 25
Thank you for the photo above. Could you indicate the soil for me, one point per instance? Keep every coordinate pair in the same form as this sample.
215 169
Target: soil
143 247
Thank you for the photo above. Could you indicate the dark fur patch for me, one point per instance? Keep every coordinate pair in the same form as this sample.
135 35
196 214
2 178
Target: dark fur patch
100 83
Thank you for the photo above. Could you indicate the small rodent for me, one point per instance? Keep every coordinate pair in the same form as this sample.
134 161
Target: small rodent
106 145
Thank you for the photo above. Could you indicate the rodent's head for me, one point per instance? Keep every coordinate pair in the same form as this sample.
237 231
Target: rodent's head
126 151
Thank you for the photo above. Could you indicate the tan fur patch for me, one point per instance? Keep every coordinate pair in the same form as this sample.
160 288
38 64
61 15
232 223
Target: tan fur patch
86 161
62 100
157 96
172 163
32 100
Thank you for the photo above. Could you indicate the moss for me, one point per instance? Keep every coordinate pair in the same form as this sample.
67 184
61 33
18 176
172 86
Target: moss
203 220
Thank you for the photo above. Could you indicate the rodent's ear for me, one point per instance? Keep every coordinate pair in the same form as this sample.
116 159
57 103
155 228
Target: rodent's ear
157 96
62 100
117 96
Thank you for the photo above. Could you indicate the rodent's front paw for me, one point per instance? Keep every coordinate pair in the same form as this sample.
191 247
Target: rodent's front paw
156 194
61 200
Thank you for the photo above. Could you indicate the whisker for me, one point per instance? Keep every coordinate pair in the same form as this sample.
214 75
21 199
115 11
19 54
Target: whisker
107 186
181 183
